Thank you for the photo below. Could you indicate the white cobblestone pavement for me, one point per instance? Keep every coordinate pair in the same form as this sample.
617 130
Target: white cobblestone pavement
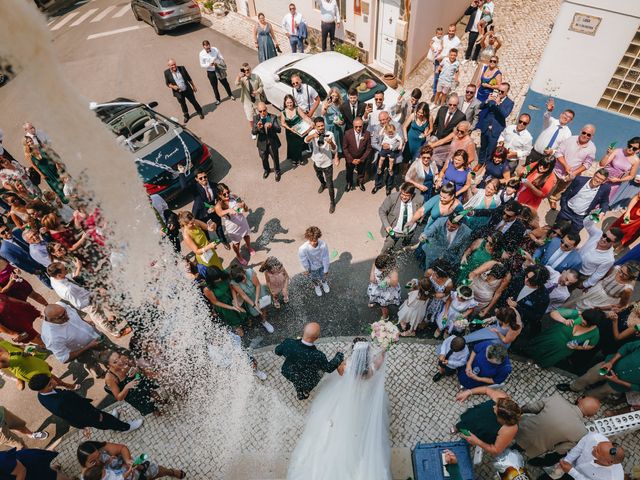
421 411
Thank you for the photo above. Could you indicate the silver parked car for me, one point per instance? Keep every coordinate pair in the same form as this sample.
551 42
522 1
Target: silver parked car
165 15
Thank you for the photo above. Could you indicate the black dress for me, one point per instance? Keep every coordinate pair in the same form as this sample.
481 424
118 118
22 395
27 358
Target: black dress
140 397
295 143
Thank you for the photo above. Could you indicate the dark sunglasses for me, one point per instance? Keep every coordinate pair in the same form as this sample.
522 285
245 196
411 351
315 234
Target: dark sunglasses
634 149
357 126
504 92
613 451
471 92
262 111
493 61
452 104
202 177
522 122
608 239
586 134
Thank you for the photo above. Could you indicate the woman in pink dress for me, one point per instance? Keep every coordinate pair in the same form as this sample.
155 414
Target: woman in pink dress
15 286
622 164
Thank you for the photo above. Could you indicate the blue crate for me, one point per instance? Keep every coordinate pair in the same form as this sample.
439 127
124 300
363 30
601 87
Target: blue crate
427 460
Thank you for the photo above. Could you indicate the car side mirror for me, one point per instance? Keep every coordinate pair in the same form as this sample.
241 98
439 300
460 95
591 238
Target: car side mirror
276 77
153 104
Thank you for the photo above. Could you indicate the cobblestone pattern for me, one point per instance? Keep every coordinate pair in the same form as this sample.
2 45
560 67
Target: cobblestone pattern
523 27
421 411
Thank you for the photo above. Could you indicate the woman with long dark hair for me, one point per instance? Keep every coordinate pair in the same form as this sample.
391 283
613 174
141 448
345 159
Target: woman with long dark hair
296 125
537 183
456 171
417 129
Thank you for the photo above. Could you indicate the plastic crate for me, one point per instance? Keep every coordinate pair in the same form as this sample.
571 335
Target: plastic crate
617 424
427 460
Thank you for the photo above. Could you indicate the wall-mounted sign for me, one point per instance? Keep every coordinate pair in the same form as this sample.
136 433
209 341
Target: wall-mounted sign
583 23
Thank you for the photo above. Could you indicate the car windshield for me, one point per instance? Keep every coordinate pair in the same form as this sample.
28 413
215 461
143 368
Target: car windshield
365 82
137 128
172 3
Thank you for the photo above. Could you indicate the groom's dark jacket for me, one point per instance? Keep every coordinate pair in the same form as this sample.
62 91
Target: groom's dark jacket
303 365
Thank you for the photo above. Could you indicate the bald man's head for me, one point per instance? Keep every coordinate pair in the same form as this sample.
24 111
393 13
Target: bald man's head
311 332
589 406
55 313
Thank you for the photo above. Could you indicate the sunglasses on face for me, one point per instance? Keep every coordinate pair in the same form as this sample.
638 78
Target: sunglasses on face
608 239
460 131
493 61
262 111
503 92
632 148
452 104
613 451
586 134
203 177
357 126
470 92
523 122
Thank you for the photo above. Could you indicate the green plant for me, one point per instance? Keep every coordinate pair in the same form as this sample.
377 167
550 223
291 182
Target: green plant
348 50
208 5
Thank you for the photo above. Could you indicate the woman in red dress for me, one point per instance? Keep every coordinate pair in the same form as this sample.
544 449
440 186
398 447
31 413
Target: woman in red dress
12 284
536 185
16 318
629 222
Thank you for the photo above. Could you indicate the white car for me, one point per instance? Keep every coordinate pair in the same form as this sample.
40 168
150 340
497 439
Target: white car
322 71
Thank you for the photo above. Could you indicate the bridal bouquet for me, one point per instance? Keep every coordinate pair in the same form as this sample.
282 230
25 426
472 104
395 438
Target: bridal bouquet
384 333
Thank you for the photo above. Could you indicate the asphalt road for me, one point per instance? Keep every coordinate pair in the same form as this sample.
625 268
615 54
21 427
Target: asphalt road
105 53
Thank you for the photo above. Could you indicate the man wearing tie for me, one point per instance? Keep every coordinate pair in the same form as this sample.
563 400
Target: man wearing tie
352 109
267 127
556 130
395 213
448 118
291 25
356 147
179 81
498 107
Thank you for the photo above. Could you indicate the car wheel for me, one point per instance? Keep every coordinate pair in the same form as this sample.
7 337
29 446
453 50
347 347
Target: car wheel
155 27
135 14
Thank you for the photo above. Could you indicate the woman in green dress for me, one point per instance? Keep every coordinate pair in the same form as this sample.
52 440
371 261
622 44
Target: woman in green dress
572 331
45 166
292 120
333 116
478 253
194 236
491 425
225 299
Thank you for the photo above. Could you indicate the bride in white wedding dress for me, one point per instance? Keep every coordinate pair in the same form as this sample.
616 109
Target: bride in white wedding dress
346 435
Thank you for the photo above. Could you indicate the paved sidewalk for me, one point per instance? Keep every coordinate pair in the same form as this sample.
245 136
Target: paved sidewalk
421 411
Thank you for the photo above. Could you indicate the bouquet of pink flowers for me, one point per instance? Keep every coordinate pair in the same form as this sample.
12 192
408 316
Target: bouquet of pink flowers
384 334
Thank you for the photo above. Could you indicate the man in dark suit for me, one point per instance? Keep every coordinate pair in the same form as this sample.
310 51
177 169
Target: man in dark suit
395 215
560 253
505 219
77 411
448 118
357 149
179 81
584 195
267 127
527 294
475 14
304 363
352 109
498 107
203 192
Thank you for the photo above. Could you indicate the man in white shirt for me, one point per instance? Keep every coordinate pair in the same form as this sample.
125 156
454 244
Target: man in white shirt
81 299
584 195
395 214
449 41
329 19
594 457
213 62
597 254
475 14
573 156
453 353
470 105
517 140
291 25
555 131
324 155
372 112
305 95
70 338
558 286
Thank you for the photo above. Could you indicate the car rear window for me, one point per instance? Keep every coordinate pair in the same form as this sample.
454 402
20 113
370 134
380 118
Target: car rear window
365 82
172 3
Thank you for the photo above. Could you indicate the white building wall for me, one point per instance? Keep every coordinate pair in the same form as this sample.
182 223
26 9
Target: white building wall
576 66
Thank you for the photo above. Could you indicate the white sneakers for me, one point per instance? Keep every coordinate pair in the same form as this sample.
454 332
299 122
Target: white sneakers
319 289
116 413
134 425
260 374
41 435
267 326
253 137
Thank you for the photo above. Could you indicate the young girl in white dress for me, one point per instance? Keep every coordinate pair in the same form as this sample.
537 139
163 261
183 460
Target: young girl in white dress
411 313
384 289
459 306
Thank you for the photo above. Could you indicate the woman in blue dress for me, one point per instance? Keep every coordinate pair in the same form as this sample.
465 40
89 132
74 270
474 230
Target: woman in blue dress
496 168
504 331
264 39
441 205
490 79
417 129
333 118
456 171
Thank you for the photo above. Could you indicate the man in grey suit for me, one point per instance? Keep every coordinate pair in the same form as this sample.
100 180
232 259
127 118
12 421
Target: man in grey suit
395 213
553 426
470 105
446 238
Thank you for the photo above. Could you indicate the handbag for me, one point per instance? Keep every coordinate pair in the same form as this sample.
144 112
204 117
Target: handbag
34 176
221 70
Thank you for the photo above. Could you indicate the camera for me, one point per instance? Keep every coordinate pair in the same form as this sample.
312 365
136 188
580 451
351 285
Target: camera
320 141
